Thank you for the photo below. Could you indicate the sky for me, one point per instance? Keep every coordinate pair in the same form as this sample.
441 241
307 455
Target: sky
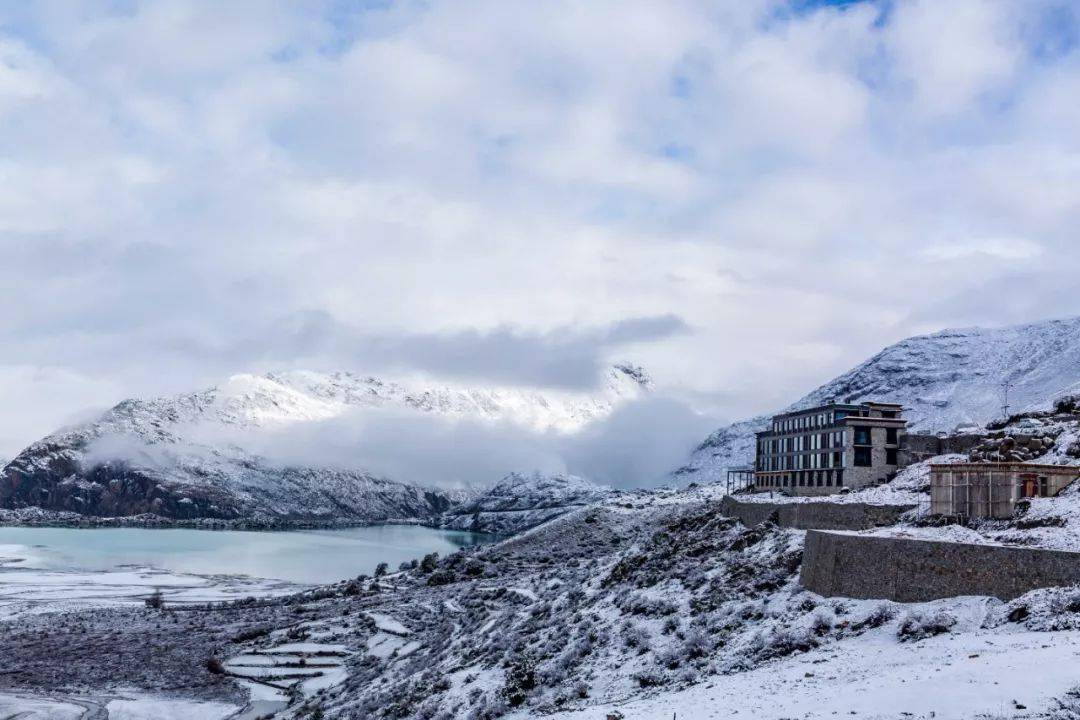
745 197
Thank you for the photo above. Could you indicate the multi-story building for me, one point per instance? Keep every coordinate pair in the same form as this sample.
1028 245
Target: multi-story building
822 450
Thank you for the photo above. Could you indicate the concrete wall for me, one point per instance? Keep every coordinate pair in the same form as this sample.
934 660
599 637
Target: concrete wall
824 515
905 570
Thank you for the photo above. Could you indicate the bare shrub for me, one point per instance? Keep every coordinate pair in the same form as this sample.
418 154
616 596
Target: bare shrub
919 624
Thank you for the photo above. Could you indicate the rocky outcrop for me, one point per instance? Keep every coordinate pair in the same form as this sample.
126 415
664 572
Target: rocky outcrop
1010 448
249 490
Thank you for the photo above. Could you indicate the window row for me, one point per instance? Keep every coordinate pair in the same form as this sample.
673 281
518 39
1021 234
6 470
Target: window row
802 443
807 422
807 461
864 436
816 478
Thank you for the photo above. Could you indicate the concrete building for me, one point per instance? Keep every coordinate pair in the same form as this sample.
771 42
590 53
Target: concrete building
991 490
822 450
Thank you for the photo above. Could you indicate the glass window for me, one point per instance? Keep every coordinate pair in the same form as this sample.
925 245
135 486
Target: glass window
862 457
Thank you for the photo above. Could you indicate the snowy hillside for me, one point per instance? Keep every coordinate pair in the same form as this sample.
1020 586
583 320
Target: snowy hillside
519 502
195 455
944 380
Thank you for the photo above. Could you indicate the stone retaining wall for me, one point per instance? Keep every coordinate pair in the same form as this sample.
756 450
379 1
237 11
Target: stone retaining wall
813 515
916 448
907 570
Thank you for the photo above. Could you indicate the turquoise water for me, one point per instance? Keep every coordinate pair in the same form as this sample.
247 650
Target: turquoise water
303 556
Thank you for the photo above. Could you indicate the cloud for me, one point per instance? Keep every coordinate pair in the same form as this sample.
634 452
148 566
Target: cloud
637 445
569 357
994 248
499 191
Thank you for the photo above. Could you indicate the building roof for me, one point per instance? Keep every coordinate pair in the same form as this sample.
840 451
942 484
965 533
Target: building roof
1007 466
875 421
840 406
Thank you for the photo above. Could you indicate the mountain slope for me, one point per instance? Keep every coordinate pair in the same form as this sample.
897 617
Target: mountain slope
519 502
194 455
944 380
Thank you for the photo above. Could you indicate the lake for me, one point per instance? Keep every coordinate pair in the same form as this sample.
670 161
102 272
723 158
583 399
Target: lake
298 556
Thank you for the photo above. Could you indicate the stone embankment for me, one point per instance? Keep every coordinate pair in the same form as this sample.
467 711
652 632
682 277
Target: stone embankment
839 564
815 515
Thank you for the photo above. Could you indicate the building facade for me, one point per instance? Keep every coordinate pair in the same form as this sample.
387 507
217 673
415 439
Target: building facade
822 450
991 489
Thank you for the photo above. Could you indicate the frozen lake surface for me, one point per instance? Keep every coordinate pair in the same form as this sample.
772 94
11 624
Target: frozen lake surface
297 556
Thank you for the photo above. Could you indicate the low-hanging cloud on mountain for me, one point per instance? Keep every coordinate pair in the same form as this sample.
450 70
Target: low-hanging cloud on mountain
635 446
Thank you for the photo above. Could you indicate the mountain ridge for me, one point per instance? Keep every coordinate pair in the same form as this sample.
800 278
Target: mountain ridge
179 457
945 380
521 501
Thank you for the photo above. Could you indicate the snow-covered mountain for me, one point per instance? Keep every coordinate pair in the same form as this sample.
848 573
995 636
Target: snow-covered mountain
522 501
944 380
194 456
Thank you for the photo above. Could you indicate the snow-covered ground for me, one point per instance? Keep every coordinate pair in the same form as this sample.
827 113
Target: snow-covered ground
31 591
126 706
982 673
911 486
153 708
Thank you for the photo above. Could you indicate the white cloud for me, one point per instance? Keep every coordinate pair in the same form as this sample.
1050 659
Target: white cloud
180 177
952 53
996 248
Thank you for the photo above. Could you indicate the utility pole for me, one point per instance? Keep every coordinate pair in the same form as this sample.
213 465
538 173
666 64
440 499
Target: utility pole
1005 387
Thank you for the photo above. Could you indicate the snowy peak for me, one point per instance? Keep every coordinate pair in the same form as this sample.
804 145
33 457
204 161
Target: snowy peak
957 377
263 401
305 396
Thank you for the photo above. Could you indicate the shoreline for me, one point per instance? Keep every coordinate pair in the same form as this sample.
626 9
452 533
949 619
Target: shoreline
45 518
